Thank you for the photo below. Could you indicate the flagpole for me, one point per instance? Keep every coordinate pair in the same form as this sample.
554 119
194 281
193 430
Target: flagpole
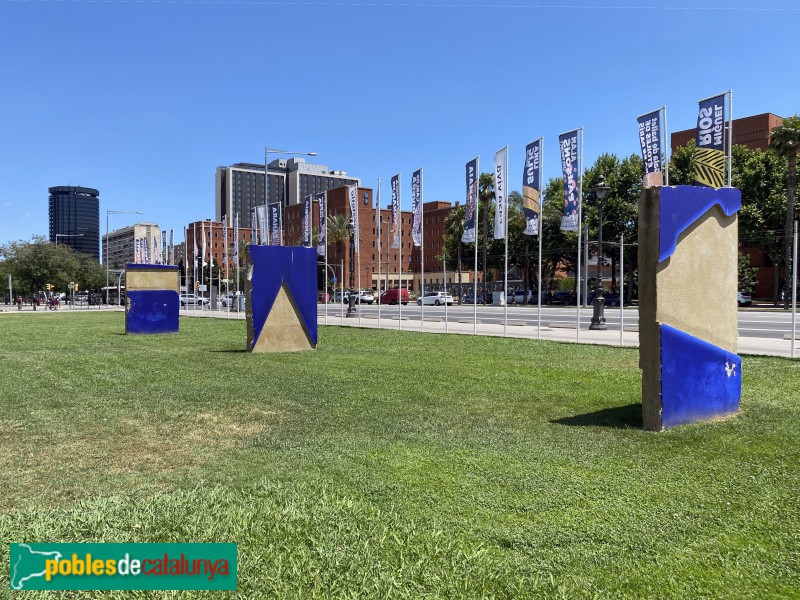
730 136
541 233
325 213
621 288
341 285
666 147
400 256
194 264
580 224
378 229
794 291
505 234
358 259
422 251
444 269
477 190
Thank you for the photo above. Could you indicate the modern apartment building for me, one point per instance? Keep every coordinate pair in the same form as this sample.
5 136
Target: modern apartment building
239 188
121 244
75 218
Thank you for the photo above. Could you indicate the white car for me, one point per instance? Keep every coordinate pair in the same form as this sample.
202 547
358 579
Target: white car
231 299
193 300
435 298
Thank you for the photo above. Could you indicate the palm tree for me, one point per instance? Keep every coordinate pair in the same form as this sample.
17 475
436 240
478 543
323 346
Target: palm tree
337 231
785 141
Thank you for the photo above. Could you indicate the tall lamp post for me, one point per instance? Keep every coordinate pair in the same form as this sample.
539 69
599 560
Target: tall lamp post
598 318
267 150
351 301
114 212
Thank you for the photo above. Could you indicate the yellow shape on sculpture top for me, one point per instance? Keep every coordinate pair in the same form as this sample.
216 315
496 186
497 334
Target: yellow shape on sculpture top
284 330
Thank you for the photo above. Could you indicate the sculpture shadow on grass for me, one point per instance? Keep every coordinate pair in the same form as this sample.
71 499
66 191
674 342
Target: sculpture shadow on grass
618 417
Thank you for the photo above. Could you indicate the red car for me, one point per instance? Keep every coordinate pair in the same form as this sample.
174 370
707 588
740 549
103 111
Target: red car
394 297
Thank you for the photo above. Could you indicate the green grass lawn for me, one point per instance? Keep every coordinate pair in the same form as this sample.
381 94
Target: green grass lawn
395 464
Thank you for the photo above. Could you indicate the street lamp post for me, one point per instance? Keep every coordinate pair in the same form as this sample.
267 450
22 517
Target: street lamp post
351 301
267 150
114 212
598 318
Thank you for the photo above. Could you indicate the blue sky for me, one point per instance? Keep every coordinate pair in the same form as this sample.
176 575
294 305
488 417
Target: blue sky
143 100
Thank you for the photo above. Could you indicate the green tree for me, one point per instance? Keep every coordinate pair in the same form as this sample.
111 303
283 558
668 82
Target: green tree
747 274
785 142
34 264
337 231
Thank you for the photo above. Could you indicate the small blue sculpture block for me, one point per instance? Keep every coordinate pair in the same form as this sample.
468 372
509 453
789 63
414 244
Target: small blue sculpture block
153 303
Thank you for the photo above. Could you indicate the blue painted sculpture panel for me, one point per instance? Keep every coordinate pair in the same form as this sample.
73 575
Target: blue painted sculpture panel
276 266
682 205
152 311
698 380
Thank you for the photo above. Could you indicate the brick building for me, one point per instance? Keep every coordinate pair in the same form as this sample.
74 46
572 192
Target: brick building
215 243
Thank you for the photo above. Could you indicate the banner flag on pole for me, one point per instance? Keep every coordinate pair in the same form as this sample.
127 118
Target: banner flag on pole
156 253
471 206
203 229
172 246
709 153
568 145
275 224
137 254
530 187
416 207
395 230
164 248
236 239
352 195
650 142
307 222
253 226
261 223
322 238
500 179
146 250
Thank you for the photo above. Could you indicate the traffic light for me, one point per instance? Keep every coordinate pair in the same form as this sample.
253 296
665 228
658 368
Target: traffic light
49 286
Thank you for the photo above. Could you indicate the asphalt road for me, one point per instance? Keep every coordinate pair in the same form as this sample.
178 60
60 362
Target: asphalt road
752 322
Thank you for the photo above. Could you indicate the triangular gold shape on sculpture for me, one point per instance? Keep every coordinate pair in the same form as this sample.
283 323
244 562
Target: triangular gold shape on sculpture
284 330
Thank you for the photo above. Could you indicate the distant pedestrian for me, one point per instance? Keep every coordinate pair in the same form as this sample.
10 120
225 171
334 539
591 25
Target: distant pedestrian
19 302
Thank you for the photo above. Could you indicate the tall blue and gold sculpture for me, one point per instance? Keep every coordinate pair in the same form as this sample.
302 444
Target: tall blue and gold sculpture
281 291
688 280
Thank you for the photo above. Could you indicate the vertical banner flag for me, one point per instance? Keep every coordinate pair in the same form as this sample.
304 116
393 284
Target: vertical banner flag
395 230
172 246
416 207
530 187
225 241
194 240
322 241
500 179
236 239
261 224
253 226
469 235
203 229
709 154
568 144
145 250
352 195
137 252
156 253
650 142
275 224
164 248
307 222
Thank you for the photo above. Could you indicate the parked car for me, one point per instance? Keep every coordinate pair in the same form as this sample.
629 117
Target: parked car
561 297
365 297
518 297
482 299
436 298
744 300
193 300
394 296
612 299
231 299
